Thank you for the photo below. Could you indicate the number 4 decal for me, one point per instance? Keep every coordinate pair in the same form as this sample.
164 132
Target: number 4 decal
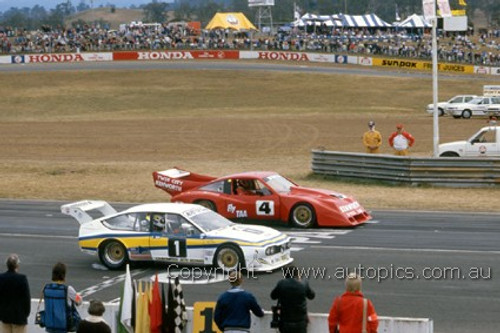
265 207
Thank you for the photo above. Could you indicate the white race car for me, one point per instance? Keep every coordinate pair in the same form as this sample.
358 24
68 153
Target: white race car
176 233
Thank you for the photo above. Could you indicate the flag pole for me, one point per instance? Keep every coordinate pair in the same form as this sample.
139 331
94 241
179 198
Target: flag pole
435 87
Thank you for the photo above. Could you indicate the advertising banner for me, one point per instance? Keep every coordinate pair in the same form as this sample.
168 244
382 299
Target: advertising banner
422 65
175 55
256 3
5 60
495 71
48 58
100 56
365 61
481 70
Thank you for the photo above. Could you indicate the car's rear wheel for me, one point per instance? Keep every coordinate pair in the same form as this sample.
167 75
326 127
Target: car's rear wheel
207 204
449 154
303 216
113 254
466 114
440 112
229 257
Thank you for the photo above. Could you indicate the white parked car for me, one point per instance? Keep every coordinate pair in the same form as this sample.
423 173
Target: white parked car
476 107
176 233
486 142
443 105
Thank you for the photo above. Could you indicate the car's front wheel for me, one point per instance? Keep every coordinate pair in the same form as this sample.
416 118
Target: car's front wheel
449 154
303 216
229 257
466 114
207 204
113 254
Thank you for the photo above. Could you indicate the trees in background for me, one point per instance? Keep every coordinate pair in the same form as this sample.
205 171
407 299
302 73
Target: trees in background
203 10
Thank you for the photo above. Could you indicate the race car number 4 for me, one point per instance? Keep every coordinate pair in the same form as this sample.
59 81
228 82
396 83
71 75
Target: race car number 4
265 207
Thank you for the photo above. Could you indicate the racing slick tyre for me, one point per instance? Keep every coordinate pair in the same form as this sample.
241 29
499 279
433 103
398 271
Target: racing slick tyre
466 114
229 257
113 254
449 154
207 204
303 216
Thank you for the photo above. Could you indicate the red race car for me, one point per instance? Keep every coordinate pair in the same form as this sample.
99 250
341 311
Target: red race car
262 196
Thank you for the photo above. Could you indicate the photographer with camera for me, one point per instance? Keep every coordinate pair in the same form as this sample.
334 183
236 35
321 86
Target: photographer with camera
292 295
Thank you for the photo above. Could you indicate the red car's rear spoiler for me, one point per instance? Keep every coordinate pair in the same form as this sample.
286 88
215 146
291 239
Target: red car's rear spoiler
174 181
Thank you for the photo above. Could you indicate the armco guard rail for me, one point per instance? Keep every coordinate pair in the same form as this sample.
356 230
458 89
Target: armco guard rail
449 171
318 321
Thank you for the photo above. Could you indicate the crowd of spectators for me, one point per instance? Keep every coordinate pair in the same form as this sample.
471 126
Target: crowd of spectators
412 43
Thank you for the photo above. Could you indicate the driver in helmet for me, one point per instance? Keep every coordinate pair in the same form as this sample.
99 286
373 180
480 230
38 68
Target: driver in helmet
158 222
243 187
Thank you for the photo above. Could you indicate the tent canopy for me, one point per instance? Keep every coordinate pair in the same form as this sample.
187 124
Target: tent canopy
235 21
414 21
342 20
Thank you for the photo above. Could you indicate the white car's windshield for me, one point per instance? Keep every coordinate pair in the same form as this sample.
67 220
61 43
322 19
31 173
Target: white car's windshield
279 183
209 220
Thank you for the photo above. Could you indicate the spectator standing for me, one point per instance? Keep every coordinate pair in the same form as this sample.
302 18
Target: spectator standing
401 140
15 299
351 312
292 295
56 313
372 139
94 323
232 311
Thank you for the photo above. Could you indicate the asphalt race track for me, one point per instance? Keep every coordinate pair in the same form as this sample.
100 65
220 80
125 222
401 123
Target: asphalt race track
431 256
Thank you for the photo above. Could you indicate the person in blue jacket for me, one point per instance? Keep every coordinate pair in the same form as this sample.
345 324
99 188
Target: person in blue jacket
232 311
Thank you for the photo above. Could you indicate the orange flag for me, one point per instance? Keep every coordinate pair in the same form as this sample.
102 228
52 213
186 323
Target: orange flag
155 308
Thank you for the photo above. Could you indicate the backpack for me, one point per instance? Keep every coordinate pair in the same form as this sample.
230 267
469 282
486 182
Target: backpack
59 316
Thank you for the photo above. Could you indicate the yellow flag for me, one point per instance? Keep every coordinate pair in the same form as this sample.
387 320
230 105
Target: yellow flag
462 3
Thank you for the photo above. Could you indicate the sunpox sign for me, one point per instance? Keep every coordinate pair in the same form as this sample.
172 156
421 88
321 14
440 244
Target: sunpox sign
403 64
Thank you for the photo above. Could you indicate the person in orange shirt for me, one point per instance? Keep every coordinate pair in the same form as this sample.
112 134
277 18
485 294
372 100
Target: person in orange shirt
372 139
351 312
401 141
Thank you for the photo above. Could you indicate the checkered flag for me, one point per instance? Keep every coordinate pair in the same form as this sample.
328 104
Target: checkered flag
176 314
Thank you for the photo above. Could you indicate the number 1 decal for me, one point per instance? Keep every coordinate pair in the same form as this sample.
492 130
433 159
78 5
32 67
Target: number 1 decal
265 207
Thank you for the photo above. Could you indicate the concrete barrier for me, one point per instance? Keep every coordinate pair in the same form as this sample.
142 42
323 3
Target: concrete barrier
318 321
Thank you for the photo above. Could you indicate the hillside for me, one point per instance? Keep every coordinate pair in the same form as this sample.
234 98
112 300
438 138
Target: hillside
120 16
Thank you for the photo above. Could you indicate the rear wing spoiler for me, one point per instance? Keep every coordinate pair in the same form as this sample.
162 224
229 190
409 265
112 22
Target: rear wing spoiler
79 209
175 181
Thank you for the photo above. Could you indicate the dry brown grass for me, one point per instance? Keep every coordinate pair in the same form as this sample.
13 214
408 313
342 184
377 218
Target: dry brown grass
100 134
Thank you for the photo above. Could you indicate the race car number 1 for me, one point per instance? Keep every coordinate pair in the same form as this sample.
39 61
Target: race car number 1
265 207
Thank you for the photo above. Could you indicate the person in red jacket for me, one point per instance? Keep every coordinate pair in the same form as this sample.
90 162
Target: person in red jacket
401 141
351 312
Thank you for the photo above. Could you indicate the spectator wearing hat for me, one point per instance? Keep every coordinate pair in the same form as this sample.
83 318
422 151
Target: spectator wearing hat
15 300
372 140
401 140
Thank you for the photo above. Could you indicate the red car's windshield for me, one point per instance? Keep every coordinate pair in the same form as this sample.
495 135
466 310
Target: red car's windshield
279 183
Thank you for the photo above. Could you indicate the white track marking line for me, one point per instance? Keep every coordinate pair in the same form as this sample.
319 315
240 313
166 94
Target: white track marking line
37 236
366 248
107 283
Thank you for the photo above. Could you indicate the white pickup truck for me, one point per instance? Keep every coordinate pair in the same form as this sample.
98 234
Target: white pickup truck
485 143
